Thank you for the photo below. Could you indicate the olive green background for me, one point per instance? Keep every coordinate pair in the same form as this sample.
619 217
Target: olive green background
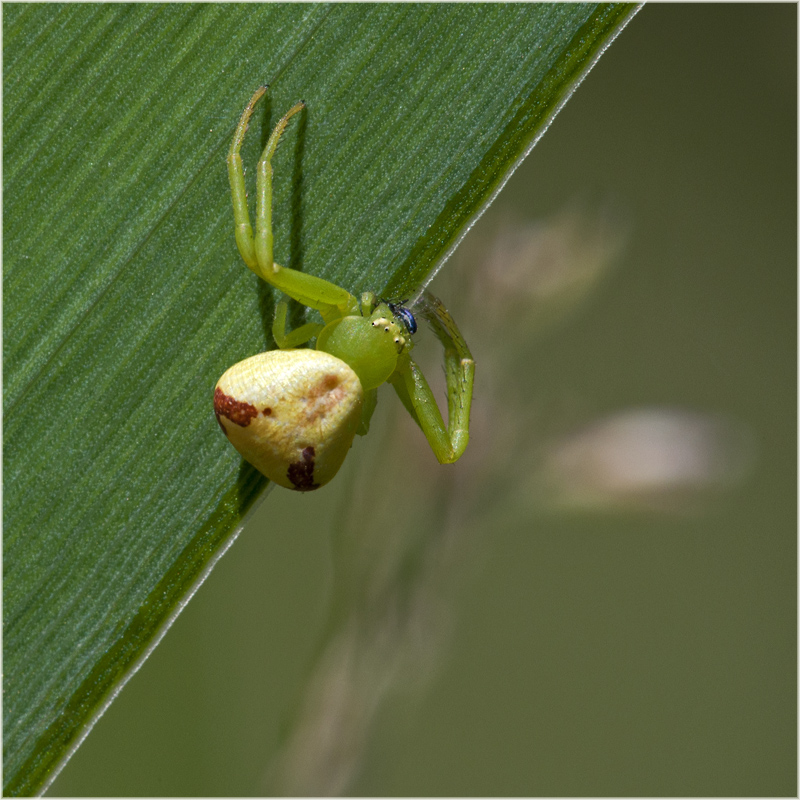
626 653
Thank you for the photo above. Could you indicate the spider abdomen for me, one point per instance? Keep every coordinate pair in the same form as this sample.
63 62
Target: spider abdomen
291 413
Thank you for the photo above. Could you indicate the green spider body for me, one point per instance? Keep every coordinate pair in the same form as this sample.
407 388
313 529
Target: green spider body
370 345
293 413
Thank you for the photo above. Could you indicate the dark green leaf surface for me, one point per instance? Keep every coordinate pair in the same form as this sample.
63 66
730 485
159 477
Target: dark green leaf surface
125 297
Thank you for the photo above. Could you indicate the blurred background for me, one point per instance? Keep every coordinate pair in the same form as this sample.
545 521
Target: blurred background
600 597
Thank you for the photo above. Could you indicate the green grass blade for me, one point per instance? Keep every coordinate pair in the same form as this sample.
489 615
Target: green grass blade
125 298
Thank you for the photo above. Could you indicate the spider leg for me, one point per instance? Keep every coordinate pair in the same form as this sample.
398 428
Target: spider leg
448 443
295 337
330 300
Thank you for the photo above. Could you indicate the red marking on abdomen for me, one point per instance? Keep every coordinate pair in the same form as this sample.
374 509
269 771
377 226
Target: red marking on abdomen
238 413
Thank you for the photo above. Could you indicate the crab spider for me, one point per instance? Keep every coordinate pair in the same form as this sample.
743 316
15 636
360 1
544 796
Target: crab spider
293 413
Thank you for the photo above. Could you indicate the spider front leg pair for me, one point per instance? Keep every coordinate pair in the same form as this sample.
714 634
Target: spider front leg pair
448 443
257 250
293 413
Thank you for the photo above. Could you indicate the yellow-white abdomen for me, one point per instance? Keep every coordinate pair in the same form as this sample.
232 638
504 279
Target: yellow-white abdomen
291 413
